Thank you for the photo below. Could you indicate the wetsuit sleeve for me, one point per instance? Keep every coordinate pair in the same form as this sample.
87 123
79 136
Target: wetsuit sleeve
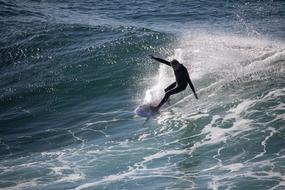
190 83
162 61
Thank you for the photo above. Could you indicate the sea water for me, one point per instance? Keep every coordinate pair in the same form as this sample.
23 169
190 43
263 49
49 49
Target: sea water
72 73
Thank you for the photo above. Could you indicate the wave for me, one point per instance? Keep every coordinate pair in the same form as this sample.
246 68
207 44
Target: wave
63 54
230 137
222 61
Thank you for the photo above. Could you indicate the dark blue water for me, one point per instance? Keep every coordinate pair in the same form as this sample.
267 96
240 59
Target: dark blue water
72 72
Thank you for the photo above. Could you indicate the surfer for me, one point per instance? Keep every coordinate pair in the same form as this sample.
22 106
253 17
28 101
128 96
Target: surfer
182 80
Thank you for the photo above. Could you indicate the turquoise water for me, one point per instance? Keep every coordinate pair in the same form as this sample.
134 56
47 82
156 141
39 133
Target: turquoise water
72 73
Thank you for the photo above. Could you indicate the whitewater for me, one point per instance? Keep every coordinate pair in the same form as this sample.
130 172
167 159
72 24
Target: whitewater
72 73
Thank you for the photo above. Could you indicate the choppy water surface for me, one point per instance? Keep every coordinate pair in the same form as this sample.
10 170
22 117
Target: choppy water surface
71 74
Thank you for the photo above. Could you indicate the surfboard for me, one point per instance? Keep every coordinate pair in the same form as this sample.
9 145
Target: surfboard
144 111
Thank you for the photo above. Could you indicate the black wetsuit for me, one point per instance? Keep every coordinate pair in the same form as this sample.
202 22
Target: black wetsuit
182 80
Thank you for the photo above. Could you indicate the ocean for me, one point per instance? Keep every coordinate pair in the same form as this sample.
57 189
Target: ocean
73 72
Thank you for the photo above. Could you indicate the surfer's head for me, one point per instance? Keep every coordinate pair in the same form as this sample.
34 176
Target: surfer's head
174 63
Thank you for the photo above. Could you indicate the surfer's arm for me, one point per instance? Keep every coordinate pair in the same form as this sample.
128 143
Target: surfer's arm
160 60
191 85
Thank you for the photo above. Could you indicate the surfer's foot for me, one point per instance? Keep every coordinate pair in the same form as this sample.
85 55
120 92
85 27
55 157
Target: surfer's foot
154 108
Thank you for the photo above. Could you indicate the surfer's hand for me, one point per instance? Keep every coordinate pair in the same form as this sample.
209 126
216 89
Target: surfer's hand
196 96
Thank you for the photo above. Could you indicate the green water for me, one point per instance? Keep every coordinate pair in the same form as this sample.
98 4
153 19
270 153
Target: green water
72 74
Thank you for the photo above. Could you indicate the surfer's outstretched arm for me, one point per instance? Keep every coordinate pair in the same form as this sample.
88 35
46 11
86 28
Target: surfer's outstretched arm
193 89
191 85
160 60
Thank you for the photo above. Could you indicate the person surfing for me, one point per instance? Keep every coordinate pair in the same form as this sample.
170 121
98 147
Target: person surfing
182 80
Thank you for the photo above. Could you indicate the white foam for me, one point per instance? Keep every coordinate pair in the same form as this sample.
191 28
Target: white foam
264 142
110 178
236 111
245 170
234 167
215 134
71 178
275 93
24 185
143 137
163 154
222 56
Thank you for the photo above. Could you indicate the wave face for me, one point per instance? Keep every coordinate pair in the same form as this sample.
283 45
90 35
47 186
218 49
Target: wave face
71 74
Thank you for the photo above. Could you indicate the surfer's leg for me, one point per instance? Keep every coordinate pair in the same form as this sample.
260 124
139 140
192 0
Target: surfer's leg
170 87
173 85
169 93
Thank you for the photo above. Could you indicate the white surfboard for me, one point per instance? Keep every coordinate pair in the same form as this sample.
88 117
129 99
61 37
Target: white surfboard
144 111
